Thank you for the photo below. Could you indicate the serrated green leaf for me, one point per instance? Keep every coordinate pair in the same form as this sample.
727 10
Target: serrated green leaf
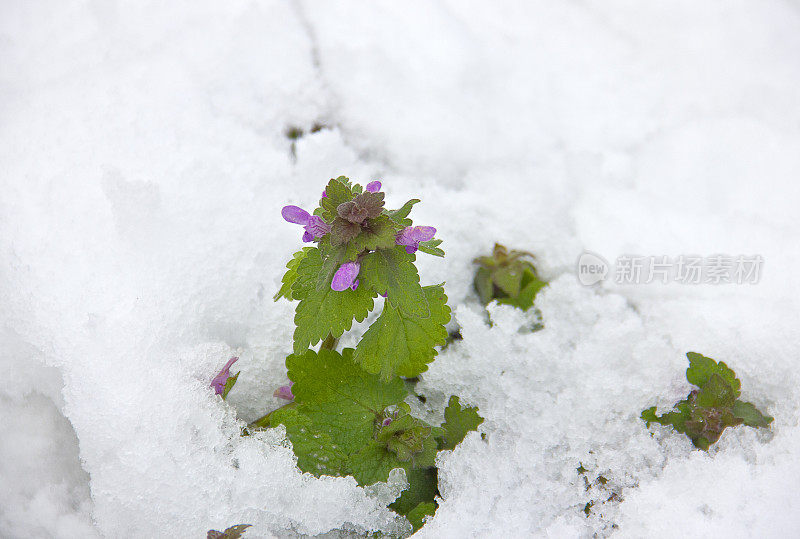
338 191
701 368
708 411
343 231
335 422
229 383
422 487
401 216
397 343
329 384
323 311
458 422
291 275
417 516
431 247
315 450
373 463
378 233
716 393
392 272
750 415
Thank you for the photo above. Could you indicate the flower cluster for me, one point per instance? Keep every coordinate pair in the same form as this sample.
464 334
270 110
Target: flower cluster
352 219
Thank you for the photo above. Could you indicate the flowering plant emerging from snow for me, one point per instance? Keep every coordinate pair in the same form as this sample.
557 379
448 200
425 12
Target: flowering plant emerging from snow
347 413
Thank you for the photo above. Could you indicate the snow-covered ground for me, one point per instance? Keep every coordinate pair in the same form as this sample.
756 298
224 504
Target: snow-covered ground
143 165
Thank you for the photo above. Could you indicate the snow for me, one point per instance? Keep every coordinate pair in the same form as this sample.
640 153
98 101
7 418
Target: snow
144 165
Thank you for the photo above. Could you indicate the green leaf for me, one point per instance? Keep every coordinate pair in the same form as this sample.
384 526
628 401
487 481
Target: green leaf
392 272
234 532
410 439
431 247
343 231
329 384
229 383
291 275
701 369
748 413
708 411
417 515
338 191
323 311
335 424
422 487
484 285
400 216
315 450
716 392
378 233
397 343
458 422
508 279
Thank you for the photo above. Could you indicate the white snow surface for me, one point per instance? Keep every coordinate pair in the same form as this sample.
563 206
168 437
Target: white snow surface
143 165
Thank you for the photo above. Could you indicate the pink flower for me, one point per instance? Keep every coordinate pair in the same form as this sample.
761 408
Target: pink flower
314 226
411 236
345 277
284 392
218 383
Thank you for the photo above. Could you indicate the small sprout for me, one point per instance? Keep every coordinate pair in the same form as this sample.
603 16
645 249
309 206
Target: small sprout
508 277
234 532
223 381
706 412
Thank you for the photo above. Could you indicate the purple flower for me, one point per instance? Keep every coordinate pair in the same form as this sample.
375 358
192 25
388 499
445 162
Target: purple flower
386 422
218 383
324 193
373 187
284 392
411 236
345 277
314 226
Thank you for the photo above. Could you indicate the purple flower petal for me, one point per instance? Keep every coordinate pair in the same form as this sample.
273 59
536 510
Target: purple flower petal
308 236
354 285
411 236
317 227
345 276
373 187
324 194
284 392
218 383
296 215
386 422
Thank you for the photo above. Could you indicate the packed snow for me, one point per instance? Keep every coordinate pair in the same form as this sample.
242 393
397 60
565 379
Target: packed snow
144 161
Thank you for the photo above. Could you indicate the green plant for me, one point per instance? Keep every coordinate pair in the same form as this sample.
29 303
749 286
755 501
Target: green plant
347 414
707 411
508 277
